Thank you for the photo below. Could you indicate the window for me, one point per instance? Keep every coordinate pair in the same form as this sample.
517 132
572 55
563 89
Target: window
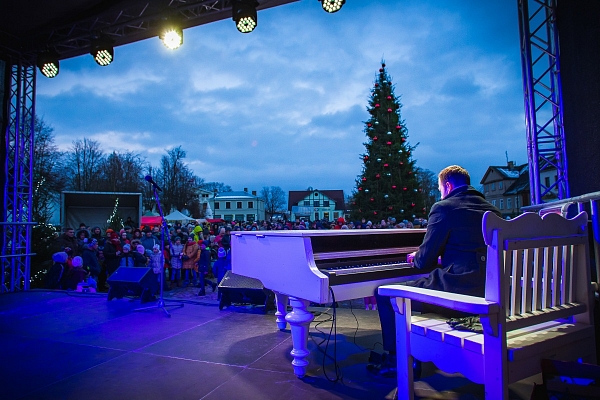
250 204
494 203
228 217
547 181
336 215
250 217
326 216
516 202
218 216
307 202
500 185
316 203
217 205
239 204
494 186
508 203
239 217
228 205
317 216
501 204
325 203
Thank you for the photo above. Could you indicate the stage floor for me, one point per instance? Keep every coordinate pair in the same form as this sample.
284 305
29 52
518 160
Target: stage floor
58 345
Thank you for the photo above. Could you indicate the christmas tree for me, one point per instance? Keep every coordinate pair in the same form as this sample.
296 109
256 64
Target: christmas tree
388 185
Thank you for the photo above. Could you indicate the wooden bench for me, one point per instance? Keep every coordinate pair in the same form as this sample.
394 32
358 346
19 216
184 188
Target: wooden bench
537 305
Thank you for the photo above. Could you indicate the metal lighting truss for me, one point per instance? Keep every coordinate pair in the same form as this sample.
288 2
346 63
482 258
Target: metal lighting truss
18 167
543 97
136 20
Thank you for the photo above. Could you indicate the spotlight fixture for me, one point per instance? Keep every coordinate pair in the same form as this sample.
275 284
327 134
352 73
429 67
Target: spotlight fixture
244 15
332 6
48 64
102 51
171 35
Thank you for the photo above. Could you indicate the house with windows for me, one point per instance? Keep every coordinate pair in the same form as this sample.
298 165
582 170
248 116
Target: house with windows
314 205
237 206
507 187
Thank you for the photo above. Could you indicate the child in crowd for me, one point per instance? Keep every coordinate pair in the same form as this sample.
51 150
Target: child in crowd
176 261
156 261
127 259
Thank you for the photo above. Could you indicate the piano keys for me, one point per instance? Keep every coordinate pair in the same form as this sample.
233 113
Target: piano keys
319 265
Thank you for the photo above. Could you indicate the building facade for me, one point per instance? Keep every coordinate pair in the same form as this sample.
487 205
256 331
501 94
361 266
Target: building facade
314 205
237 206
507 187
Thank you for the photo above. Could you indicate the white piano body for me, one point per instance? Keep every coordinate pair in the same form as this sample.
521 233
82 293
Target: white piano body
319 266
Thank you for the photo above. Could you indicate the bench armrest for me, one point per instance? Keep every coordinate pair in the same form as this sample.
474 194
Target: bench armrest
454 301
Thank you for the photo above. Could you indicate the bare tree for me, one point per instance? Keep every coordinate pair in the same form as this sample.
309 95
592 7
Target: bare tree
274 198
84 162
179 184
122 172
219 186
48 176
428 184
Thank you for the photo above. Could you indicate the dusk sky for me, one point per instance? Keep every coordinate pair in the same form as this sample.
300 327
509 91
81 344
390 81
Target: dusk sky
285 105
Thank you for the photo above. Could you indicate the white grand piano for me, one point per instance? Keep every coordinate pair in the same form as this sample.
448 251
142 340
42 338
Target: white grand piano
322 266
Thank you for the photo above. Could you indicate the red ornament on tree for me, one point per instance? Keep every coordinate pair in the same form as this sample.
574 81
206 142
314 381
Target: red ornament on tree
372 199
377 85
366 158
390 110
403 140
393 186
389 97
401 163
364 179
389 143
377 105
412 204
374 212
380 69
390 208
375 138
377 176
386 165
404 188
409 172
398 127
360 189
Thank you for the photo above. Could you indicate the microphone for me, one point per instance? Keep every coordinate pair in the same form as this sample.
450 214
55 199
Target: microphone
149 179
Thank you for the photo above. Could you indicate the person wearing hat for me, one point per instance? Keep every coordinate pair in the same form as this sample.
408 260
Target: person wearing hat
148 241
139 256
222 265
176 261
112 252
190 257
76 275
204 267
90 259
126 258
56 275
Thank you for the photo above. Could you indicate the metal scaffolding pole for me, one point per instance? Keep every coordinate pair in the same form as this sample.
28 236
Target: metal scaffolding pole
540 61
17 225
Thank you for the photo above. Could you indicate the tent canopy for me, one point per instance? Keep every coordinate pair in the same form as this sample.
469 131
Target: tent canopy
178 216
151 220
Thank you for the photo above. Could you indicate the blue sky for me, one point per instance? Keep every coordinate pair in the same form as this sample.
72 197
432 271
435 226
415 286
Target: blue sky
285 105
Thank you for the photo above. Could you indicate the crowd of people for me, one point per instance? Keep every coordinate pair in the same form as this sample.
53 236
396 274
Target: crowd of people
194 254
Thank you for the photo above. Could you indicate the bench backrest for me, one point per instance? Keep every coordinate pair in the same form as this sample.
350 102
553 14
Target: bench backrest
538 268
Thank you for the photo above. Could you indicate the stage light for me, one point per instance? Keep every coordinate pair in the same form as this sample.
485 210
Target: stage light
48 64
244 15
332 6
102 51
171 36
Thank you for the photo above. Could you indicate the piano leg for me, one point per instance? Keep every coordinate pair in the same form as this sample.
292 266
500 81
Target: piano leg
299 320
282 302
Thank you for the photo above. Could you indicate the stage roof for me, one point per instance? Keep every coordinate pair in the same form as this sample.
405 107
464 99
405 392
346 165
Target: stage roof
28 27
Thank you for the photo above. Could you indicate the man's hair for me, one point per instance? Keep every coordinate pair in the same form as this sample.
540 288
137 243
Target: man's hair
456 175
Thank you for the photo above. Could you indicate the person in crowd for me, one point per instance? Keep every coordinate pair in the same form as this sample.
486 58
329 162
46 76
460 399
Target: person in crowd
112 254
197 233
123 238
137 235
190 260
156 262
82 239
454 234
90 259
139 255
126 258
57 274
77 274
222 265
340 221
97 234
148 241
204 267
130 222
68 241
176 261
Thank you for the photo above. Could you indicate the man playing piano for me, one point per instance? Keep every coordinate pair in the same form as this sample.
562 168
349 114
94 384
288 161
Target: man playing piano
454 235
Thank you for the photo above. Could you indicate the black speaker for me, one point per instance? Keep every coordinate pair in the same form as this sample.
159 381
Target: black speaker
243 290
133 281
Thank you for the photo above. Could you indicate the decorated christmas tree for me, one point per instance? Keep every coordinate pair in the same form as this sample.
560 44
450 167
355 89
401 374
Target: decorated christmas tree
388 185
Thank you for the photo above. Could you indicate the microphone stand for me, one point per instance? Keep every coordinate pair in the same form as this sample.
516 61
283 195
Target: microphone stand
165 232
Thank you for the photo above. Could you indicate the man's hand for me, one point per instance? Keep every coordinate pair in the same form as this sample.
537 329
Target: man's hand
410 257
